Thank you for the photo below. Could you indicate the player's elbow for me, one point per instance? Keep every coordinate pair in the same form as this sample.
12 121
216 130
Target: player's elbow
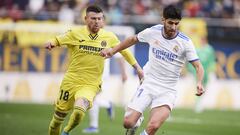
132 39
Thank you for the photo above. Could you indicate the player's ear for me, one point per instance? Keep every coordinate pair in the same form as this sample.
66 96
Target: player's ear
163 19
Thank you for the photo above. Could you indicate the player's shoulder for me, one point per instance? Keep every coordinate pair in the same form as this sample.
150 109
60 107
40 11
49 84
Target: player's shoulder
157 27
183 37
77 29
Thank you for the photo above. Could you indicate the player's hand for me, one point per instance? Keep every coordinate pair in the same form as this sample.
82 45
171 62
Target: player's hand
106 53
200 89
140 75
49 46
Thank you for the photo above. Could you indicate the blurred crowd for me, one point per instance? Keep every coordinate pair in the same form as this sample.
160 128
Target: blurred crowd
117 11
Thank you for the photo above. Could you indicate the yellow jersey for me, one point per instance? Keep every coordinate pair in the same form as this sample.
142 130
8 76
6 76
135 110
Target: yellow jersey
85 63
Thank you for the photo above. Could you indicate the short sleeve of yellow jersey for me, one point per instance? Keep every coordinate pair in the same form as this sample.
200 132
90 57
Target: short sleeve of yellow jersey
67 38
114 40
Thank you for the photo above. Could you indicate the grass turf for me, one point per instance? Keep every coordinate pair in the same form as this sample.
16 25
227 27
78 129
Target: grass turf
33 119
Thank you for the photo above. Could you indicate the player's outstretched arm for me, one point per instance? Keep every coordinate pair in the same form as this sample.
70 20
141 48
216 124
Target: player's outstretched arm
107 53
200 74
125 44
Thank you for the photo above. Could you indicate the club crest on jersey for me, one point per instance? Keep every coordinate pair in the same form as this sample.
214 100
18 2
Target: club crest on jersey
103 43
176 49
156 42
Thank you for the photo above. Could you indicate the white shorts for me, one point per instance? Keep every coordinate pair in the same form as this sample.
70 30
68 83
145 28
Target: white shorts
152 94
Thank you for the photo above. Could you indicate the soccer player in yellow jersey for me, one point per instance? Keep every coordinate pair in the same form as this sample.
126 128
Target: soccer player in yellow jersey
82 80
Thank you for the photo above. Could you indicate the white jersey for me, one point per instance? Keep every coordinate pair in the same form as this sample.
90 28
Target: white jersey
166 56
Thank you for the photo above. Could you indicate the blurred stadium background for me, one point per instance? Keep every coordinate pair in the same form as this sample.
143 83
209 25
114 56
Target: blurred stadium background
30 76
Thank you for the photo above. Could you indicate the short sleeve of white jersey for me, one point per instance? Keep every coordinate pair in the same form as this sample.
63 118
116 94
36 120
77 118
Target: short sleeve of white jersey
144 36
191 53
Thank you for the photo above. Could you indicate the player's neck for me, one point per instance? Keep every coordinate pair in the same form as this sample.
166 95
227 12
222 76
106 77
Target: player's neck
92 32
166 36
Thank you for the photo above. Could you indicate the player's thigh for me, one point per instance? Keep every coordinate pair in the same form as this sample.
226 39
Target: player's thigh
141 99
65 100
158 115
85 95
166 97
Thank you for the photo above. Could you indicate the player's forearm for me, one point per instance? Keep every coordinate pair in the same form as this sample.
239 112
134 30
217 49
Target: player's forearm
139 72
125 44
128 56
199 72
137 67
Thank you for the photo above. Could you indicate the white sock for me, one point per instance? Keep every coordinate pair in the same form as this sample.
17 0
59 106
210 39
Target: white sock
93 115
139 122
144 133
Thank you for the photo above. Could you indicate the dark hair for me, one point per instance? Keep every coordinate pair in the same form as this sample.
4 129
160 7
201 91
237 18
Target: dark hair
94 8
172 12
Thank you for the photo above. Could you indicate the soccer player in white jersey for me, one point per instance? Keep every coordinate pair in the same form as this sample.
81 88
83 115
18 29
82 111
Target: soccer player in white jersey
168 51
100 101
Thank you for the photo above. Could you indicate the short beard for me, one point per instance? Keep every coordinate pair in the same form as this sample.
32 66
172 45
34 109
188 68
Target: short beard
167 35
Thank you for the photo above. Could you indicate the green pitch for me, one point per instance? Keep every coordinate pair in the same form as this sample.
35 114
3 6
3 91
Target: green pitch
33 119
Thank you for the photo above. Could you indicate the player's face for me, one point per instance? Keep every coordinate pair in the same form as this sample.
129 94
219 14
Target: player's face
170 27
94 21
